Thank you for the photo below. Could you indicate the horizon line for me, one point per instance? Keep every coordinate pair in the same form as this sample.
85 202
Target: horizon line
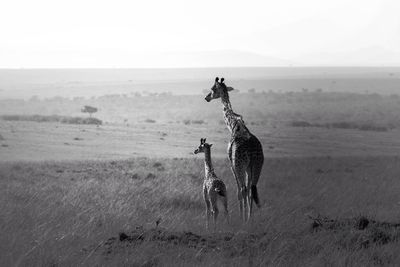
201 67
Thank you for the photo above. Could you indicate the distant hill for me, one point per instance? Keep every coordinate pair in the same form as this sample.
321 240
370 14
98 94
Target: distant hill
369 56
221 58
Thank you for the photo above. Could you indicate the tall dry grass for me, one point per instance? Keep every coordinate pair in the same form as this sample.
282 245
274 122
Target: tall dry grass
62 213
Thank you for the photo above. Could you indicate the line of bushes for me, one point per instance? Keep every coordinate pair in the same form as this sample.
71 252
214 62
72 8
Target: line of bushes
342 125
52 118
187 122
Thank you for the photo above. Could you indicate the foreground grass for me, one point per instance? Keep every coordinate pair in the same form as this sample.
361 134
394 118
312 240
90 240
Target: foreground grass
64 213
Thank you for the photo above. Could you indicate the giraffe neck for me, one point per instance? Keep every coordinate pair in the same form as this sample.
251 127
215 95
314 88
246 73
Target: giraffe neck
230 120
225 101
207 161
233 121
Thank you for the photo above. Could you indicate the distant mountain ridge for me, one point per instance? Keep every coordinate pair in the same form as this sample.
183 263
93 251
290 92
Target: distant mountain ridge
221 58
368 56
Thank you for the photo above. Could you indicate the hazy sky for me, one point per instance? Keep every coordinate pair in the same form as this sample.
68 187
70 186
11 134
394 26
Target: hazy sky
81 33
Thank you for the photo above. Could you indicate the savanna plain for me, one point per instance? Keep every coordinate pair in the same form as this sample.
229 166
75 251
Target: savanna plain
122 186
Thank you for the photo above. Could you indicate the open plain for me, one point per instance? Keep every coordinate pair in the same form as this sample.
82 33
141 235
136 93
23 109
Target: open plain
128 191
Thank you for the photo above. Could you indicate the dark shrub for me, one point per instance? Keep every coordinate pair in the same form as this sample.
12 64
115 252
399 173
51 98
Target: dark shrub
342 125
368 127
301 124
52 118
198 121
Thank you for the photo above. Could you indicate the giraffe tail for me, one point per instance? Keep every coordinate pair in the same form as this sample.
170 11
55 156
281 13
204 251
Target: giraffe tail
254 194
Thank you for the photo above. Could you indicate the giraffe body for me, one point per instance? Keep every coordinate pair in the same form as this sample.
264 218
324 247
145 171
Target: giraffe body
245 152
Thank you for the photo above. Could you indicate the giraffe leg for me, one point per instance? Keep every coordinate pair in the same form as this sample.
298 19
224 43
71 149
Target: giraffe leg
239 162
214 208
253 173
245 198
250 197
240 199
241 174
208 208
250 193
242 192
208 214
225 203
239 194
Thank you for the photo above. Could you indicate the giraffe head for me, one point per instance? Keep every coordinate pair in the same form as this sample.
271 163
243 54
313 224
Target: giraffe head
203 146
218 90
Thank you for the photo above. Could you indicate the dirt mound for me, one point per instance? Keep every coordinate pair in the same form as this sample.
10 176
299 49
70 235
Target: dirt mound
229 243
359 232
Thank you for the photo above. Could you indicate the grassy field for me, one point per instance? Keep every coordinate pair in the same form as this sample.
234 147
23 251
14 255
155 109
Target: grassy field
91 195
33 141
105 213
128 191
318 108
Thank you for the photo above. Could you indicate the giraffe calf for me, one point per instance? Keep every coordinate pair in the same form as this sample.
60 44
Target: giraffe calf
214 189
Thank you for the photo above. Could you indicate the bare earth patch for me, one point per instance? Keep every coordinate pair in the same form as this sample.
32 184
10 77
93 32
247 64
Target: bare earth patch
359 232
229 244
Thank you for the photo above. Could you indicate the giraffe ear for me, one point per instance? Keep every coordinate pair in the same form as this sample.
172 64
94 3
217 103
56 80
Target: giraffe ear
216 79
229 88
211 145
222 80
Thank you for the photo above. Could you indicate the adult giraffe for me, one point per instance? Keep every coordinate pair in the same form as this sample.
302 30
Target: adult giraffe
244 151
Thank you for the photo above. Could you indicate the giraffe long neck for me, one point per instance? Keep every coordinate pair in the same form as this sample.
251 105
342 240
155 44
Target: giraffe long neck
207 161
233 121
225 101
230 119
